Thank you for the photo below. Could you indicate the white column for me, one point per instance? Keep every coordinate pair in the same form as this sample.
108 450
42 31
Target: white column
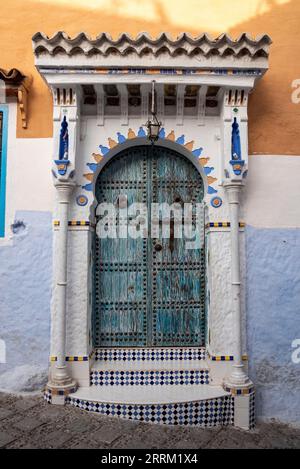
66 109
238 376
64 189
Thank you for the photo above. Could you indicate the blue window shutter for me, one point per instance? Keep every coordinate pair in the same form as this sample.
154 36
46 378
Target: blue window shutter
3 157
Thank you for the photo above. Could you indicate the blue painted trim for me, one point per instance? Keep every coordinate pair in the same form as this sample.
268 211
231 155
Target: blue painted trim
4 111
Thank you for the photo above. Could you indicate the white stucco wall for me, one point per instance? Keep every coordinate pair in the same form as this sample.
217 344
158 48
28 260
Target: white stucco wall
271 183
28 179
272 192
92 136
271 187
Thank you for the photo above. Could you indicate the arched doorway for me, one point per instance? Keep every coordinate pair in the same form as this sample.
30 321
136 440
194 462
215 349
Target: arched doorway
149 291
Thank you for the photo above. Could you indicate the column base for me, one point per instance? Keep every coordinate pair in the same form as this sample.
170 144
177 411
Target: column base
243 405
57 394
238 378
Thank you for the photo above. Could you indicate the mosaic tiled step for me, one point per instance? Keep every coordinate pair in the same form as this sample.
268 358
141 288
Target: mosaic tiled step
149 373
150 354
204 406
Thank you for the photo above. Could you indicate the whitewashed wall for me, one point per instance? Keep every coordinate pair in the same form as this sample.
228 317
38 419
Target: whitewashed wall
26 261
28 179
206 137
270 209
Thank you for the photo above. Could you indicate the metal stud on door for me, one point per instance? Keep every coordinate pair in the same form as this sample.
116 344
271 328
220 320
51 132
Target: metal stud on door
149 291
120 278
177 286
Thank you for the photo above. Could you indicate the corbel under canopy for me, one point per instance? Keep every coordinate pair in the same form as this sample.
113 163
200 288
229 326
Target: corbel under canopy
17 85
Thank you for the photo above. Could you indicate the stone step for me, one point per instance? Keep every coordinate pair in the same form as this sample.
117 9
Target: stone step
160 373
205 406
150 354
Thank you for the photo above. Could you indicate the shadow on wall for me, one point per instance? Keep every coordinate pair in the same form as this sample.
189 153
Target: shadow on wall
273 117
25 276
273 321
50 17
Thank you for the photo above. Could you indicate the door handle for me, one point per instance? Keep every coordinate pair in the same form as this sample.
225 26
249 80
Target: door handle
158 247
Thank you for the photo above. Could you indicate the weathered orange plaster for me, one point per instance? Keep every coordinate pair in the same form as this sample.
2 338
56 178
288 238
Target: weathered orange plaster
273 118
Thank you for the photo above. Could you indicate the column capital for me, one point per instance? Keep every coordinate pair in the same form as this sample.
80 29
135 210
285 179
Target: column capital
233 189
64 190
63 172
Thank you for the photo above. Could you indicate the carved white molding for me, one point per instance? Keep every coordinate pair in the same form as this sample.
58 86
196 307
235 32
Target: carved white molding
160 101
60 79
83 128
122 89
100 104
201 104
180 104
145 90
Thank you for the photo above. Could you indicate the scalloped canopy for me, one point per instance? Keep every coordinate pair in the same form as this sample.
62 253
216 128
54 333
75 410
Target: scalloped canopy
144 45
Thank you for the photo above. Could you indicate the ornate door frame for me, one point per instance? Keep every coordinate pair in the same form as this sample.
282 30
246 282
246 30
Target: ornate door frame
201 61
174 149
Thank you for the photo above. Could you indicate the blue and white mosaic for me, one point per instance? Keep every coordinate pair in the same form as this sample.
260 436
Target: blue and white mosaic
252 418
206 413
48 396
149 377
134 354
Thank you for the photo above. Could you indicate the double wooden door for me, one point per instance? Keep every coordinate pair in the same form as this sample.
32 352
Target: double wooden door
148 291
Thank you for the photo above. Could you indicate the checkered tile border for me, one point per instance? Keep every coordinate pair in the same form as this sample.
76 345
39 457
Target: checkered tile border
239 391
225 358
150 354
232 411
206 413
149 377
222 224
48 396
74 223
252 418
49 393
71 359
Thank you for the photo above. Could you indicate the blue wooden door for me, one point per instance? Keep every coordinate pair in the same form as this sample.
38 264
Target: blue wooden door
149 291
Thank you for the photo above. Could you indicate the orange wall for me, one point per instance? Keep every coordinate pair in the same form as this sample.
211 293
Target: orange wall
274 119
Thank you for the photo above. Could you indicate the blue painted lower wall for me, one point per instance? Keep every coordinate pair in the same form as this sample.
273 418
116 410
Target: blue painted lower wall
25 279
273 320
273 311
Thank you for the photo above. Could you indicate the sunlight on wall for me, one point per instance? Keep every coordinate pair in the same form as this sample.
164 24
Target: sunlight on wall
219 15
271 100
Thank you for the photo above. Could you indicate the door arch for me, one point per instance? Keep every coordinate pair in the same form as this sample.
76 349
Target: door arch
149 291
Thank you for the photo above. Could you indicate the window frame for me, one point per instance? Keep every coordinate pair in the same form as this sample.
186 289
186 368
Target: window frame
3 163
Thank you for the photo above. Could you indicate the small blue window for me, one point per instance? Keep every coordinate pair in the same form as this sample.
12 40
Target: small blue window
3 155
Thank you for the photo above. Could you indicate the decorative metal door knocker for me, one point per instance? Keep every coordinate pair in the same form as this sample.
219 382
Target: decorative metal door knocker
158 247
